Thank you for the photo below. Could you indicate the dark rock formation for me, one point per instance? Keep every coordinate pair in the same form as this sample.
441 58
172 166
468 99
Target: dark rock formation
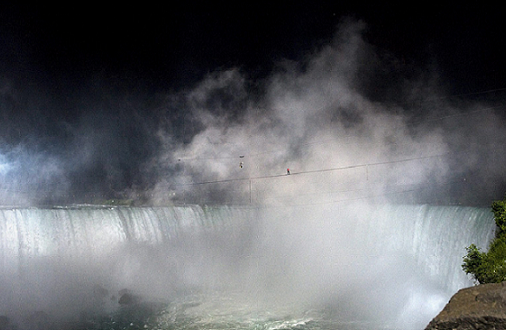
476 308
128 298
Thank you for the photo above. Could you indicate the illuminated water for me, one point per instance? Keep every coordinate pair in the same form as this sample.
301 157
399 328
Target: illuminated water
333 266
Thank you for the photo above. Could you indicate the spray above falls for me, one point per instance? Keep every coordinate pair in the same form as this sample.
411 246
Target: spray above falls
370 138
345 117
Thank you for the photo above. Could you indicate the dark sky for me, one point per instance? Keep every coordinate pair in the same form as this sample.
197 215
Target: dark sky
158 46
68 70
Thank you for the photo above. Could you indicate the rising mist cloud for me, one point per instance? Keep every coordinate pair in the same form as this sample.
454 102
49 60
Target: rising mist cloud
349 119
319 118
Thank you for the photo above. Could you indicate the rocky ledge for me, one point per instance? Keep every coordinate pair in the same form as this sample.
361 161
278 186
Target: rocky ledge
476 308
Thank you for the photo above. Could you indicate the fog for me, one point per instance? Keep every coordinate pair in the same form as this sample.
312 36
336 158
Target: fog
352 262
346 117
352 123
324 119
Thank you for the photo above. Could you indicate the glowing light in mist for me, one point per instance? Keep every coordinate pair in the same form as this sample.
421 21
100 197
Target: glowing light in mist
4 165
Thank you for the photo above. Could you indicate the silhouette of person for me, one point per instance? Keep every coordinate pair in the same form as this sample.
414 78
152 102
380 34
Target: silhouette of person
288 171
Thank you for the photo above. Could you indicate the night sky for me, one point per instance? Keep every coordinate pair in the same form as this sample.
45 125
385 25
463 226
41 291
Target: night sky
112 77
156 47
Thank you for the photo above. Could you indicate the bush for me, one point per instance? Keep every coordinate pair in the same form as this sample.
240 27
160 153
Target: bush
499 209
489 267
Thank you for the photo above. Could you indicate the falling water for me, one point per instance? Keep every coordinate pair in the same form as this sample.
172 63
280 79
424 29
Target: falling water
305 267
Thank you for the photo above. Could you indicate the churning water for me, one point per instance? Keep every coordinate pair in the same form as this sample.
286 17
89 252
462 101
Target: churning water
355 266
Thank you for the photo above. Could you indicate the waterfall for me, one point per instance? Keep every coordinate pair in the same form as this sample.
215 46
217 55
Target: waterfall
90 231
435 236
367 255
55 259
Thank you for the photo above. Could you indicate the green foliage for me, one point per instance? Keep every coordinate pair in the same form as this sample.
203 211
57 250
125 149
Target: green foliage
499 209
487 267
473 262
490 267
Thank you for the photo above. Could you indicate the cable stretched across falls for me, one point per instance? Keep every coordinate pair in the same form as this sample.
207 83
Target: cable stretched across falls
289 172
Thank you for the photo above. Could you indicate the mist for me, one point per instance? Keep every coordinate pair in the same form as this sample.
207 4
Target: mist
341 135
347 117
355 126
389 265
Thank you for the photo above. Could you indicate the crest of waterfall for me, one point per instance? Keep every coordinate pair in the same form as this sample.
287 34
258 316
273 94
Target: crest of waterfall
402 257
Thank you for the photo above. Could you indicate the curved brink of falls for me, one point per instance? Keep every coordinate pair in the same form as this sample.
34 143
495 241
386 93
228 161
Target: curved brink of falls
392 264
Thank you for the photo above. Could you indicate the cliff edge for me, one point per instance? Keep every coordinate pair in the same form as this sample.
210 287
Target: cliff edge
478 307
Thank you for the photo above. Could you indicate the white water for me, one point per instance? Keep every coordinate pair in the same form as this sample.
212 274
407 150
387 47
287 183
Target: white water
395 265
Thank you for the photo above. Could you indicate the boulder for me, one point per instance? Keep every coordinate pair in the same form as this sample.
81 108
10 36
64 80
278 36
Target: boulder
478 307
128 298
